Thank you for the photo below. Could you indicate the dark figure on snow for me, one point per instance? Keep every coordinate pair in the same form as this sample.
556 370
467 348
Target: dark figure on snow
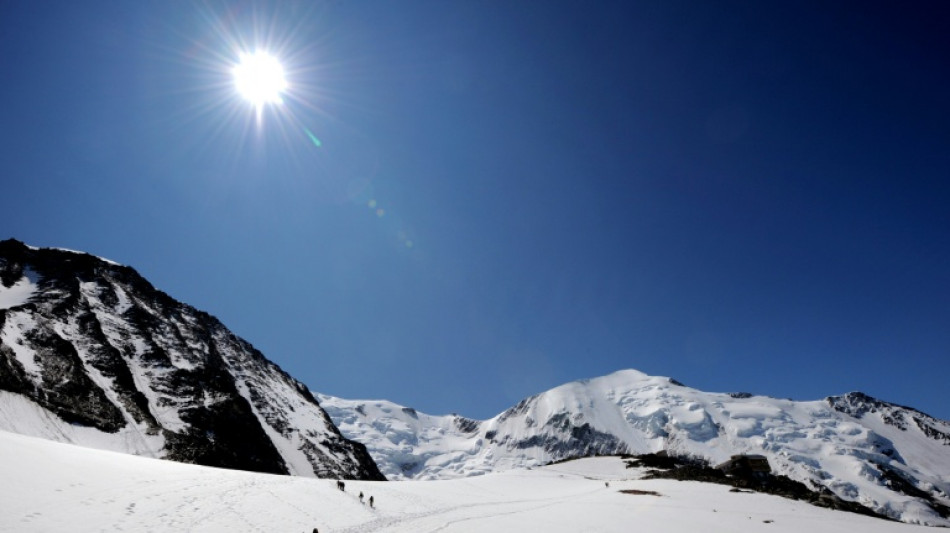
340 485
607 484
370 501
315 530
361 496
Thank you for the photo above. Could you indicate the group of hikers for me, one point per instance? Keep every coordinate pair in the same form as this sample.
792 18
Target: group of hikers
342 486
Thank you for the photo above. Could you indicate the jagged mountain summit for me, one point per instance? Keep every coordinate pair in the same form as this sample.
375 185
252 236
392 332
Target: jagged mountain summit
894 460
92 354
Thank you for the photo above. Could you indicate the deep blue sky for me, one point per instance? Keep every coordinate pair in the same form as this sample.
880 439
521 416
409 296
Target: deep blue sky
510 195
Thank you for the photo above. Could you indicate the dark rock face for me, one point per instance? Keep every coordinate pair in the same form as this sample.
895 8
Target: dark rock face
100 347
466 425
858 405
562 436
580 439
904 484
692 469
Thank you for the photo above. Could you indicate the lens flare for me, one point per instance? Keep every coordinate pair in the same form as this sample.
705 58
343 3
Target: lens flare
313 138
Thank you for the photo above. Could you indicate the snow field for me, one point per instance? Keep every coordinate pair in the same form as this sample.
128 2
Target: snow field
808 441
50 486
20 292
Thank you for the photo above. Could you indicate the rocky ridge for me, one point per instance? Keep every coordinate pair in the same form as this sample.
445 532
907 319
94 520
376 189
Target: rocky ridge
93 354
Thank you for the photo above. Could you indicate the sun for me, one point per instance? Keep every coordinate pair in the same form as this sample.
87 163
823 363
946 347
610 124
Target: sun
259 79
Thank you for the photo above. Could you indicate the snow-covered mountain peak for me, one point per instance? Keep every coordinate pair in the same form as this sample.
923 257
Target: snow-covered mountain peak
887 457
93 354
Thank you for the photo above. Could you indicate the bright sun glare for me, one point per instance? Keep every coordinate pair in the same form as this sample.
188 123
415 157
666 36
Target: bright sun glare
259 78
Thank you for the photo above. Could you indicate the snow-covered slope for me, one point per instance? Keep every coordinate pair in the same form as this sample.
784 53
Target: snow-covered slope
92 354
49 486
407 444
893 459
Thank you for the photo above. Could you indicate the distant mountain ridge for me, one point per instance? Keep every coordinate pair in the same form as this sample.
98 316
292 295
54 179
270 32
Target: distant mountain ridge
93 354
892 459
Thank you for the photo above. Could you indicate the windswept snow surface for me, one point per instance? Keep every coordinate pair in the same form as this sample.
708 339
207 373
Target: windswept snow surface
848 444
49 486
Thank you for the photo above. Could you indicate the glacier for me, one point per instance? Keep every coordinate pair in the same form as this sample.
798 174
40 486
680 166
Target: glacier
892 459
92 354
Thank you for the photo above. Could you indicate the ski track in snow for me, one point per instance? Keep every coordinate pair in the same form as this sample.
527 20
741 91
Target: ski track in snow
441 519
58 487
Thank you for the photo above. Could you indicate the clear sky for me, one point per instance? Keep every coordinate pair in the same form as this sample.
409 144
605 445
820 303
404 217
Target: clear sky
460 204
